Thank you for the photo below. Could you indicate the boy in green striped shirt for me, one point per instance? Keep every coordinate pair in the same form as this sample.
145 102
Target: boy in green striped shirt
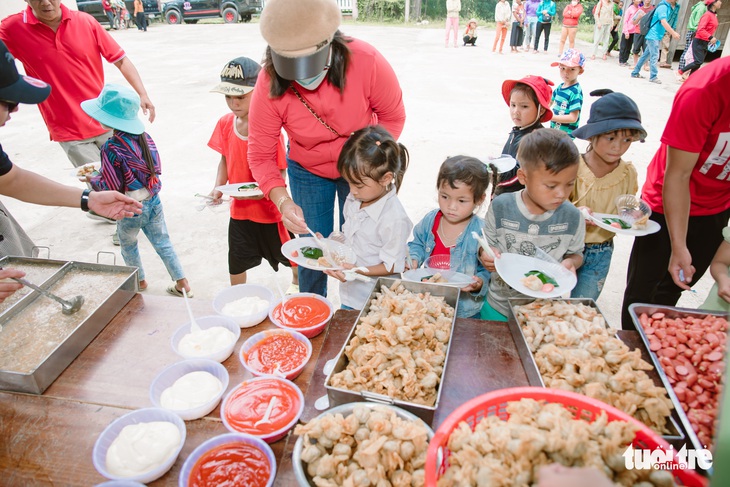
567 99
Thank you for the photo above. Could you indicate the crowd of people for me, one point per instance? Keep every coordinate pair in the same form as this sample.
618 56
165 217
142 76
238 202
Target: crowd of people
340 104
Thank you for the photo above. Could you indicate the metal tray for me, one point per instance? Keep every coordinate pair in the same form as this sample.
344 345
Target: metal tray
677 432
636 310
93 317
38 271
338 396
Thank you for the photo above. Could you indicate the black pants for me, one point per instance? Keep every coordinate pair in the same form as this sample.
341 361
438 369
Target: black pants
542 27
141 21
638 44
623 55
649 281
699 51
614 40
517 36
470 40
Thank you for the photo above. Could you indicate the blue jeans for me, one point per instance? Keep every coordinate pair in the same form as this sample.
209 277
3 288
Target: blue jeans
651 52
316 196
530 30
152 223
592 274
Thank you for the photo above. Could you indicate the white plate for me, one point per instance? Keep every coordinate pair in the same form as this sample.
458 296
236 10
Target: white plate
74 173
232 190
335 247
513 267
651 226
455 279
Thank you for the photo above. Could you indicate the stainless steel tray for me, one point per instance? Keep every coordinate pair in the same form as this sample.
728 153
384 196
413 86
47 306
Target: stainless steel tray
677 432
341 396
37 271
95 314
636 310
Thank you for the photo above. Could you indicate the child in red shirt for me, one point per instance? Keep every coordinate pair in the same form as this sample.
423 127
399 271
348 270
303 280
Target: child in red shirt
255 230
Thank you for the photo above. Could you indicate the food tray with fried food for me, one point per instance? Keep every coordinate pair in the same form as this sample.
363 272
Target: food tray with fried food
567 344
688 349
504 437
398 349
39 341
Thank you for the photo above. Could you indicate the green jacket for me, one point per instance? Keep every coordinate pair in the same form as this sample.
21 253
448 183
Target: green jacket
697 12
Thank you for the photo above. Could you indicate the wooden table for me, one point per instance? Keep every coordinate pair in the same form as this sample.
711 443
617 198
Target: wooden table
48 439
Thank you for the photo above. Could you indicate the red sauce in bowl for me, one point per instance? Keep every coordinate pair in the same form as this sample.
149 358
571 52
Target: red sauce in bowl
280 350
231 464
301 312
248 403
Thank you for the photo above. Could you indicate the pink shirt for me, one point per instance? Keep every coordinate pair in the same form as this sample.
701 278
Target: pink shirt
372 95
70 60
629 26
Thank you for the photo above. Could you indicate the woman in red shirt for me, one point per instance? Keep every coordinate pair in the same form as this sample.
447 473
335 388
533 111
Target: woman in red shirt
571 14
319 86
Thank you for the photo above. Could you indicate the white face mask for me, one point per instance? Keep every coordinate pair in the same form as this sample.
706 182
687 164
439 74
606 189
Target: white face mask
313 82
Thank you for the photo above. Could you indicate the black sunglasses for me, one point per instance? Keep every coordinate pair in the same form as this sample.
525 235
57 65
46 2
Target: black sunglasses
10 104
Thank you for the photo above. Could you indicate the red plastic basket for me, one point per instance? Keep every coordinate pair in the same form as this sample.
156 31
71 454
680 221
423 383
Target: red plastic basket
581 406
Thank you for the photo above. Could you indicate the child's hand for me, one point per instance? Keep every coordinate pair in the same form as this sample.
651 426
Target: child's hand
339 275
486 260
474 287
570 265
723 289
586 210
217 197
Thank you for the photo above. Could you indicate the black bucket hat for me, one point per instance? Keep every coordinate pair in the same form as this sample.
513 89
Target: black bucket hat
611 112
16 88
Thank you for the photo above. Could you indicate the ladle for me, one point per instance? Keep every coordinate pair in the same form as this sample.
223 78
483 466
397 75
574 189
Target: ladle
68 307
194 326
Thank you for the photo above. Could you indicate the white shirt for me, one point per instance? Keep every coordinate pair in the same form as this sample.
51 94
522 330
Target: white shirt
378 234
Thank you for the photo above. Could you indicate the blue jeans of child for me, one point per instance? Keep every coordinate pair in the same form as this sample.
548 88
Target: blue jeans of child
592 274
152 223
316 196
651 53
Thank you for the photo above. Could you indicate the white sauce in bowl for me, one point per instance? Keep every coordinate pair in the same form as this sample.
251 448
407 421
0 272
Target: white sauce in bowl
249 305
140 448
205 342
191 391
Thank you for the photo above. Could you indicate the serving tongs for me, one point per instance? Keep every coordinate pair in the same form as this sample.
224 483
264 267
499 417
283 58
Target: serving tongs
68 307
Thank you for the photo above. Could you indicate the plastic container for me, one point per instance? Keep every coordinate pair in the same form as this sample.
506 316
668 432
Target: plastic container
274 435
110 433
206 446
206 322
167 377
631 208
234 293
438 262
582 407
310 331
258 337
120 483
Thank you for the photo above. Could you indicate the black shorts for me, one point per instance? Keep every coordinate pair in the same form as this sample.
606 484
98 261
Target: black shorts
249 242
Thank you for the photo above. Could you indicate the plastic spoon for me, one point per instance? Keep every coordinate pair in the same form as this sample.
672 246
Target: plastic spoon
194 327
325 248
484 244
267 414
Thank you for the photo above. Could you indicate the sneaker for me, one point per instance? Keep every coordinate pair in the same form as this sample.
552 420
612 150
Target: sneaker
636 75
655 80
115 239
623 65
97 217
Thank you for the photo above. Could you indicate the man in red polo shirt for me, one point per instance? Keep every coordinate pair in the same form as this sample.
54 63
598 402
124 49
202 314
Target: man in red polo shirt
65 49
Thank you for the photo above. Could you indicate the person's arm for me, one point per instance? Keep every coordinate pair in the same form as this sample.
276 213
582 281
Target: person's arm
130 73
551 9
221 178
33 188
669 29
8 286
386 97
571 117
572 262
676 198
719 270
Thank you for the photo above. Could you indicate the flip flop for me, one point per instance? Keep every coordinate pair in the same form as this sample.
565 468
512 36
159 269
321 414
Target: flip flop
171 289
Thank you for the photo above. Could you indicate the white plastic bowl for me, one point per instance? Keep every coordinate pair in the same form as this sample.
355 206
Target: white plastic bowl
258 337
110 433
206 446
274 435
170 374
234 293
120 483
311 331
206 322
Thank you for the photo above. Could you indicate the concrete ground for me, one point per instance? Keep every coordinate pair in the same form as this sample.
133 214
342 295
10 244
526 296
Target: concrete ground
453 104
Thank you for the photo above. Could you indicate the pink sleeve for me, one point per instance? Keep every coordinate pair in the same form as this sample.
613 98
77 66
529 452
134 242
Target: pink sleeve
386 97
264 131
281 153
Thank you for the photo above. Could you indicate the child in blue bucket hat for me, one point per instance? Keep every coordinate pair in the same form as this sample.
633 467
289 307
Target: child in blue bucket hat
130 164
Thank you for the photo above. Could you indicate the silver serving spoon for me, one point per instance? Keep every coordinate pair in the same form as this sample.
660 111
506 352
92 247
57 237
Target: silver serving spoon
68 307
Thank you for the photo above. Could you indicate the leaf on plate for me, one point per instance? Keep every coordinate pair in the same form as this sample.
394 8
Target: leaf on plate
312 252
543 277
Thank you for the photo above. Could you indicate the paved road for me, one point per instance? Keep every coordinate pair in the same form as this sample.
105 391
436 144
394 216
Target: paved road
453 104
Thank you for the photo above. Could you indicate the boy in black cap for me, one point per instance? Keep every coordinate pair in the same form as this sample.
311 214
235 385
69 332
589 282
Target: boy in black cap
255 230
31 187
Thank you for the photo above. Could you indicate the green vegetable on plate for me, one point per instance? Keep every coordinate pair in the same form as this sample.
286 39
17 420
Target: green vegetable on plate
544 278
248 187
312 252
622 224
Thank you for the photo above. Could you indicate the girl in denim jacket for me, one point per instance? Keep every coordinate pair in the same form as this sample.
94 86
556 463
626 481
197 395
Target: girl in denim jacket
462 184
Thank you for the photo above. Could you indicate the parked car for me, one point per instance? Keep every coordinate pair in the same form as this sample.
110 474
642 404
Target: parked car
190 11
95 9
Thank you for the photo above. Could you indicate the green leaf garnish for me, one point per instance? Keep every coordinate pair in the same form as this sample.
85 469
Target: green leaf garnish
544 278
312 252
